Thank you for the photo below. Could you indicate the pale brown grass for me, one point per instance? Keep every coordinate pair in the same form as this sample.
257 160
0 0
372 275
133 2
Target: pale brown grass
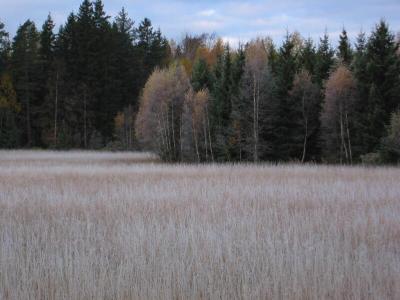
87 225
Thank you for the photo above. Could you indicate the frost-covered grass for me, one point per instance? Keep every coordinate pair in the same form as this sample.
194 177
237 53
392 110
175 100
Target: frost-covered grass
88 225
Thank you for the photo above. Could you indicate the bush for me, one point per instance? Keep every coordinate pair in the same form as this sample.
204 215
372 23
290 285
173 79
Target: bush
390 146
371 159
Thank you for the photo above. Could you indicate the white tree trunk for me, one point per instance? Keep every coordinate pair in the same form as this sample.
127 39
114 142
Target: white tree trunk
56 112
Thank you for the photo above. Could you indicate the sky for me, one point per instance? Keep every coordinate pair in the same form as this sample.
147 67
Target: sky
234 21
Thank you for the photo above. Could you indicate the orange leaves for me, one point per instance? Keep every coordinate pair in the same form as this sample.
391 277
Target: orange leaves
161 104
119 120
8 97
340 91
340 82
340 95
197 104
256 56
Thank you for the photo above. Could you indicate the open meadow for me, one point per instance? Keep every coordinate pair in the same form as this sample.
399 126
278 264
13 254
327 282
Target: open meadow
97 225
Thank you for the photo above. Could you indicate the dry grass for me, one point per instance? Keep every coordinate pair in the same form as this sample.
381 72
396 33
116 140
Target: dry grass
121 226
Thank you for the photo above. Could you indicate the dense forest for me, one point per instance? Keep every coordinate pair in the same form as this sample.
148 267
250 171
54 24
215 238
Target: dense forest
99 83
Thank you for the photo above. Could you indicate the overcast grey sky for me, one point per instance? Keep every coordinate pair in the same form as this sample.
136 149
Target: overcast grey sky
232 20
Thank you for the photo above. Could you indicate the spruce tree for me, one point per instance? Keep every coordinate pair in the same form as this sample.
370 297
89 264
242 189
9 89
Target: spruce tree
285 142
123 61
308 56
383 69
67 117
324 60
238 68
9 109
83 40
383 66
99 15
105 105
201 76
255 116
25 59
47 77
151 50
361 107
374 66
344 51
226 88
235 133
221 103
4 48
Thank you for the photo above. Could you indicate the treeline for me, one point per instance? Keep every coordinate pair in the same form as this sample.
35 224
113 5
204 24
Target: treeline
64 89
299 102
99 83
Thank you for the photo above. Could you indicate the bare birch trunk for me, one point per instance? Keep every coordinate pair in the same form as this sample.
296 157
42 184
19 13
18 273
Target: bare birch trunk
255 155
342 136
173 129
168 135
84 119
164 134
306 131
28 112
209 135
28 121
195 140
205 137
348 138
56 112
180 136
305 142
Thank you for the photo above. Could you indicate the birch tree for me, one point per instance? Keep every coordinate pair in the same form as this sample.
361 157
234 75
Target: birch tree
306 95
256 62
197 140
340 95
159 120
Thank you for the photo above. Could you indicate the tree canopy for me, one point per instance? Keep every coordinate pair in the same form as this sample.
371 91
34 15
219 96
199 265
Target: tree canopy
99 82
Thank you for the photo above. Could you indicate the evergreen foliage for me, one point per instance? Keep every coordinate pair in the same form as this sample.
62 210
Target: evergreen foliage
79 87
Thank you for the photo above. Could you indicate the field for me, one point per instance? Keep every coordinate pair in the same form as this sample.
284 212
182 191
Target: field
87 225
